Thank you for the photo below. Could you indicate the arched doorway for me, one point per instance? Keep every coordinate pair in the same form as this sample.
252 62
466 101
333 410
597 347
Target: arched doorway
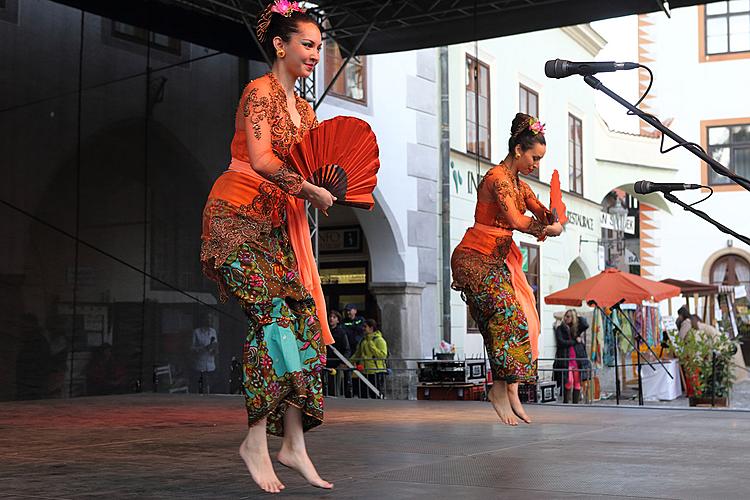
380 256
344 261
358 248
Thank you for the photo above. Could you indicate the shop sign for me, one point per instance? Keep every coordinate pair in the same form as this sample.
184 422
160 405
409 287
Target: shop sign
340 239
465 182
633 259
579 220
617 223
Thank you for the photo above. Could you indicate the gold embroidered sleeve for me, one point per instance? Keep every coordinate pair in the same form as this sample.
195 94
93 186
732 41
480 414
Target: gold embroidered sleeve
264 131
287 180
535 205
536 228
503 191
258 109
511 207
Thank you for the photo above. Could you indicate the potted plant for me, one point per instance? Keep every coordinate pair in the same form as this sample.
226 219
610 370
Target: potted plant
706 361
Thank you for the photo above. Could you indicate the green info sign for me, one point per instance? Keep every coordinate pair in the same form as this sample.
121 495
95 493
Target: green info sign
525 259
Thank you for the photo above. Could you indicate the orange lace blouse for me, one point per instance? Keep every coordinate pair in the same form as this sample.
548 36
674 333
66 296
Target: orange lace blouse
244 207
502 201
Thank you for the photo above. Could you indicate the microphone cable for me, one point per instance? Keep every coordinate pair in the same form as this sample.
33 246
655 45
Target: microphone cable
711 192
686 144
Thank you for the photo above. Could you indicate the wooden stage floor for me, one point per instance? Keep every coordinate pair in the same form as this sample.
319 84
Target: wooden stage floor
185 446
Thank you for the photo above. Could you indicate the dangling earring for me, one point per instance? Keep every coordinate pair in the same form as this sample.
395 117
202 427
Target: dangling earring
280 53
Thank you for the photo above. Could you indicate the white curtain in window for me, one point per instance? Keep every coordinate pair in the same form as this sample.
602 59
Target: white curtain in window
719 272
742 269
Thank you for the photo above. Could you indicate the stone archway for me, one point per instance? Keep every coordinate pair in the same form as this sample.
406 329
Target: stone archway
577 271
399 302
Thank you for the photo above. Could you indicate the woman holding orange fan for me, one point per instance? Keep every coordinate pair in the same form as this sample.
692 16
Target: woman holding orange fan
487 267
256 240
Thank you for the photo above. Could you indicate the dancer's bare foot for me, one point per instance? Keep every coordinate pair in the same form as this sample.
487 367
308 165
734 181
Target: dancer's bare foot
515 402
498 396
299 461
258 463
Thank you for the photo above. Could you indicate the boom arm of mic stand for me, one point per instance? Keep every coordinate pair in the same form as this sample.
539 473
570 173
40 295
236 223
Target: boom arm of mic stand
658 359
594 83
705 217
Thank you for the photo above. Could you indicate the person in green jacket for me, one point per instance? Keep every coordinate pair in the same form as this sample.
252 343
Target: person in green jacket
370 358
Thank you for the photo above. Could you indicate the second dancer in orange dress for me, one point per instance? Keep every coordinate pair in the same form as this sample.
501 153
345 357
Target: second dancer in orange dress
487 267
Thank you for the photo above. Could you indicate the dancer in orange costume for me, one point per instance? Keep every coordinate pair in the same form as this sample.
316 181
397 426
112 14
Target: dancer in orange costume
487 267
256 246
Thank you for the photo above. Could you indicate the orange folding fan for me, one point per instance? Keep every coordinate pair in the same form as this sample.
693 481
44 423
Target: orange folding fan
556 205
340 155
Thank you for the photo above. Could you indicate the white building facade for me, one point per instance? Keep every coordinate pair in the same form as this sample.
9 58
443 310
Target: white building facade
404 234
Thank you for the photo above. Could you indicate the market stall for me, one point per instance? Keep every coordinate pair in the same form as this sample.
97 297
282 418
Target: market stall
626 319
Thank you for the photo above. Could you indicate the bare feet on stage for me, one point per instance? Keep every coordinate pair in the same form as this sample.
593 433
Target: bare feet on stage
515 402
299 461
254 452
293 453
498 396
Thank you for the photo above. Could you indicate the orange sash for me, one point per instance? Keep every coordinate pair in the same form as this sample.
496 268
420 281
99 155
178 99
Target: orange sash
299 236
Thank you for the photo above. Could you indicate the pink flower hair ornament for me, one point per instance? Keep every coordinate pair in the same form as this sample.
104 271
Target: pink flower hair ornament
536 126
282 7
286 8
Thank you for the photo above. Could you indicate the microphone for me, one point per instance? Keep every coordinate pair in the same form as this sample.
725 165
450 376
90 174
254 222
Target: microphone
560 68
646 187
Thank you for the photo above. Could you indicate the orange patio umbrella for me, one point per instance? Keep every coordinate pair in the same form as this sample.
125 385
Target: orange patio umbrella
610 287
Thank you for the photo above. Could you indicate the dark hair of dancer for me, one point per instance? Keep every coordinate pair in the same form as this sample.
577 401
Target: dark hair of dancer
522 135
271 25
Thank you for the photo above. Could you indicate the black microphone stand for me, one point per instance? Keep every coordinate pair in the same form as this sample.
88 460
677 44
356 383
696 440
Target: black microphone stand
638 339
594 83
616 329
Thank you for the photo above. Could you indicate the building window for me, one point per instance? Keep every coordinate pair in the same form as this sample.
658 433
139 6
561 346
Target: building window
351 83
477 107
9 11
530 254
143 36
575 155
726 27
729 144
528 102
730 270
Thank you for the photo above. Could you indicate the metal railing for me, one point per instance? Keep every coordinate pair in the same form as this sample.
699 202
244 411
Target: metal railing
397 380
400 380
